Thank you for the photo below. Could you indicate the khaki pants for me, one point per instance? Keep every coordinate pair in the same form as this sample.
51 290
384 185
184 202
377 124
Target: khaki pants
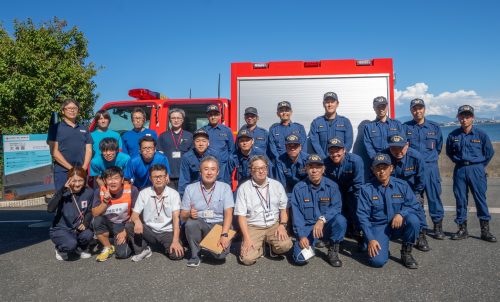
259 235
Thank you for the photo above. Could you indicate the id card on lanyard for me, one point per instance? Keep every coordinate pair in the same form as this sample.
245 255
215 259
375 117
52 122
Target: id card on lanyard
177 152
159 218
208 213
265 202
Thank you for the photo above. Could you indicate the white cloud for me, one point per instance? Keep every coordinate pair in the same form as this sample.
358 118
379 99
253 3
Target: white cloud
445 103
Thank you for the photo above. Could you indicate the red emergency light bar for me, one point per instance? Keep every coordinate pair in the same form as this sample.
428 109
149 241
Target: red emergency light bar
144 94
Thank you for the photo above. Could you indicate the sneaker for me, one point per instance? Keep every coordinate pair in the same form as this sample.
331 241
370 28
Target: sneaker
146 253
193 262
105 253
82 254
61 256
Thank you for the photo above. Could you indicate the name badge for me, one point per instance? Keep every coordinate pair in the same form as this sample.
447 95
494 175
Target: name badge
84 203
159 219
176 154
208 214
268 217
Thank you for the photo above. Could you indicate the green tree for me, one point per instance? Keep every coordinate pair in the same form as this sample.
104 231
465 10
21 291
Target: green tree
39 67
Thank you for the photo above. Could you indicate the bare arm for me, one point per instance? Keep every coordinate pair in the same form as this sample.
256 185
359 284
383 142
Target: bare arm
88 156
57 156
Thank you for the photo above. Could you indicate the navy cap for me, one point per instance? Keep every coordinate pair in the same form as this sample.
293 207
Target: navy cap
284 104
330 95
397 141
416 102
199 132
292 139
244 133
213 107
465 108
380 100
335 142
251 110
314 159
381 158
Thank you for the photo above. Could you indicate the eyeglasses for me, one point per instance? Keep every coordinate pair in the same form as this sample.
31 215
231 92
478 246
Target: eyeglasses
259 169
158 177
71 108
176 118
147 148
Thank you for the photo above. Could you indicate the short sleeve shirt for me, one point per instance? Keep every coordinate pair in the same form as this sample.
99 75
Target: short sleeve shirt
157 210
218 199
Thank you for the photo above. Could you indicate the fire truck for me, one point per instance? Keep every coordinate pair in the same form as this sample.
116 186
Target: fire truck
263 85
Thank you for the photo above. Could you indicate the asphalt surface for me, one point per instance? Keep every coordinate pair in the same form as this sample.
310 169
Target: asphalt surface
467 270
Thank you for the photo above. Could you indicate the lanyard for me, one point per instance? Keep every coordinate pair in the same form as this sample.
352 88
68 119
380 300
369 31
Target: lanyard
264 201
162 206
211 192
177 143
80 214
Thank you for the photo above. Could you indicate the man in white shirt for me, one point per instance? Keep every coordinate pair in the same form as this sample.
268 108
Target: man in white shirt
160 208
261 205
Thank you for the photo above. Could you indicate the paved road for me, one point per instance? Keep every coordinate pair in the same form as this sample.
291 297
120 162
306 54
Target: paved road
467 270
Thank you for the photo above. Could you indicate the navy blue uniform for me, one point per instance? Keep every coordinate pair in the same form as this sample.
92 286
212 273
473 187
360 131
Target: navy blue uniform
222 143
289 173
378 205
376 134
190 168
260 137
174 146
240 162
411 169
70 214
428 140
323 129
308 204
349 176
279 132
471 153
72 142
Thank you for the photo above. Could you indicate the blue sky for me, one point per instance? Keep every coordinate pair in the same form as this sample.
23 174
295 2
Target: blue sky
444 51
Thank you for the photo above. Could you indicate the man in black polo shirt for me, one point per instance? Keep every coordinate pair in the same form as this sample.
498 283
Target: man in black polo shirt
70 143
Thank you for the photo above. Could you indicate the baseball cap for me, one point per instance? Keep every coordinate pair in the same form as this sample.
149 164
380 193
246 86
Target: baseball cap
251 110
380 100
397 141
416 102
244 133
292 139
284 104
314 159
381 158
465 108
213 107
335 142
200 132
330 95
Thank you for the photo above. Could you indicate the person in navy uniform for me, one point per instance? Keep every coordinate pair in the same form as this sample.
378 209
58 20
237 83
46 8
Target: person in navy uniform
330 125
221 141
260 135
244 152
347 171
388 209
409 166
425 136
174 143
470 149
278 132
316 207
377 132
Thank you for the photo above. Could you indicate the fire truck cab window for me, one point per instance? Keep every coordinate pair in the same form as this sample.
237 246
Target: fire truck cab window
121 118
196 116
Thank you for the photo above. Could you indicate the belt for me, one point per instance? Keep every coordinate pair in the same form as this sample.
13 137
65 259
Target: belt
467 163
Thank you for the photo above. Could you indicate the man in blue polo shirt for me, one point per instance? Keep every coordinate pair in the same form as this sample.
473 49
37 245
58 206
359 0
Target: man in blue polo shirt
131 138
260 135
70 143
137 170
278 132
108 156
330 125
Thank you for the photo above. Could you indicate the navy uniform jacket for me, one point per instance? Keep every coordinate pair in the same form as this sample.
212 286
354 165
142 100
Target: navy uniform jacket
260 137
472 148
426 139
240 162
411 169
323 129
309 203
349 174
278 134
190 168
221 141
376 134
289 173
377 204
67 215
166 144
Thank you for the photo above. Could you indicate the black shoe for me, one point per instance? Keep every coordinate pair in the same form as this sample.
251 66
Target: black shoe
333 255
438 231
319 244
461 233
406 256
485 231
422 244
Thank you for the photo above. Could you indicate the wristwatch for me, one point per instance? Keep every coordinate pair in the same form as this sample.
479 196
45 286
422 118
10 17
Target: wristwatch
283 224
322 218
224 235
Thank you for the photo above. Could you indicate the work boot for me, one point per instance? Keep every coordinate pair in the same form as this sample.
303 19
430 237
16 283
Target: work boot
485 231
333 255
406 256
422 244
438 230
461 233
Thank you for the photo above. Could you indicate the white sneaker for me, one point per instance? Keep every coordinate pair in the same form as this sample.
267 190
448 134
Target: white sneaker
82 254
61 256
146 253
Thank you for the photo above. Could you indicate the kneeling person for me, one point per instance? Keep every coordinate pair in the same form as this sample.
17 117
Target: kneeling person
261 206
206 203
316 208
111 210
159 206
388 209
